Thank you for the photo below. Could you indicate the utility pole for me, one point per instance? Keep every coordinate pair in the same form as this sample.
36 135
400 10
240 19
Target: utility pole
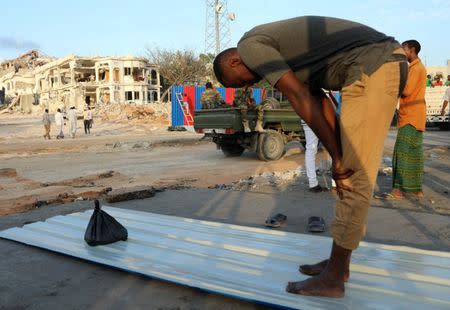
217 28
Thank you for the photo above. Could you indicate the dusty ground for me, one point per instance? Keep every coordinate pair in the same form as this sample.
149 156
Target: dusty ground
114 155
141 154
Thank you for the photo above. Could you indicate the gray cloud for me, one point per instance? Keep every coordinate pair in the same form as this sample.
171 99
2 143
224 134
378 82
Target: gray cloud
11 43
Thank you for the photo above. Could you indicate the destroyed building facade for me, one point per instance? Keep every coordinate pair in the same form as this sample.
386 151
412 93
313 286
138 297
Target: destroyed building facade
75 80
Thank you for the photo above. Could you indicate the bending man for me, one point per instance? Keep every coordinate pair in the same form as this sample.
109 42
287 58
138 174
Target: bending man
301 55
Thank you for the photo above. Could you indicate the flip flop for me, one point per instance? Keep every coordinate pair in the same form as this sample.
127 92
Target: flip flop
388 196
276 220
316 224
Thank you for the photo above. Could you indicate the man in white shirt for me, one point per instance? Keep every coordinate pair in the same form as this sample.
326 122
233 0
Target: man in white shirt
72 116
59 122
87 117
446 100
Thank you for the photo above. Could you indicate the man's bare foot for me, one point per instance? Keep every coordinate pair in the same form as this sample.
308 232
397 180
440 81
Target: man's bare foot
321 285
316 269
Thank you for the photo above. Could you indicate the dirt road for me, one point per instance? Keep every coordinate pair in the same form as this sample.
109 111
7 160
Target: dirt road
143 155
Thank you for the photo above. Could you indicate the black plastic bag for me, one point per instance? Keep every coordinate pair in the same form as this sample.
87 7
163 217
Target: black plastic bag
103 228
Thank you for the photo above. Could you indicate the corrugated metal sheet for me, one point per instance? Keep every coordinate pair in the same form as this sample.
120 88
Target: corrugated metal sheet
249 263
177 114
198 93
257 95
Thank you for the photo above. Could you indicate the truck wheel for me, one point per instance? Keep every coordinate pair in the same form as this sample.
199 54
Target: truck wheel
232 150
444 126
270 146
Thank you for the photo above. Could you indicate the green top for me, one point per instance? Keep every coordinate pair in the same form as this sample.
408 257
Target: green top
210 96
447 83
324 52
428 82
243 96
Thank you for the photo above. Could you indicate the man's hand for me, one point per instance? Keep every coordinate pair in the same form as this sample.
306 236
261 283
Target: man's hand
310 109
443 112
341 177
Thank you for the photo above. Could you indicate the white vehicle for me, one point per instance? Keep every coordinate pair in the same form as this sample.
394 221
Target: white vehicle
434 99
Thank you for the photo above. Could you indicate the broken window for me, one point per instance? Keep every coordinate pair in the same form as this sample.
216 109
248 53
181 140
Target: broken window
154 76
155 96
116 75
128 95
127 71
136 95
138 74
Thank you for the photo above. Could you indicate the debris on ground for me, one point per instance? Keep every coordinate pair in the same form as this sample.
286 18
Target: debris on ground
436 152
265 179
130 193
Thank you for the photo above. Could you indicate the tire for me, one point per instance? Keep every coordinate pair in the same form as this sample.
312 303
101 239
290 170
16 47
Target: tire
270 146
259 147
232 150
444 126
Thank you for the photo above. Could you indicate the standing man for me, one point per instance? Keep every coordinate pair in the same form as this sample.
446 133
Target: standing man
446 101
301 55
447 83
59 122
407 162
210 98
87 120
72 116
429 81
46 121
244 101
310 158
311 147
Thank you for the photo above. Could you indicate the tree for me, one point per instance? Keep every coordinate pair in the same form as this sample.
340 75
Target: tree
178 67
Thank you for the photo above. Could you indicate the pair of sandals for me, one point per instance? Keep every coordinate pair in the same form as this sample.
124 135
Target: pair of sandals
316 224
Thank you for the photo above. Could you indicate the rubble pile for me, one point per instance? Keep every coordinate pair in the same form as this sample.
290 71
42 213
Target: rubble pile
264 180
136 114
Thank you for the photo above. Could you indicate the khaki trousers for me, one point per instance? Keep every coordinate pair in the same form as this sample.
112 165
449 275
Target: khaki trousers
367 109
47 131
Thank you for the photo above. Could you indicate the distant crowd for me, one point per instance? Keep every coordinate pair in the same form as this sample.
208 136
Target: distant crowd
437 81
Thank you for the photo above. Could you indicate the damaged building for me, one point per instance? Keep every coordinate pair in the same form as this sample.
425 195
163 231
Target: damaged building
74 80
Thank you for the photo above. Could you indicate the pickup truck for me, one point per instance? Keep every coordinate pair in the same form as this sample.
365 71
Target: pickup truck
224 126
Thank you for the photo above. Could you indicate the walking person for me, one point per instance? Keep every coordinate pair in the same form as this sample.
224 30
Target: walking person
72 116
46 121
87 120
59 122
301 55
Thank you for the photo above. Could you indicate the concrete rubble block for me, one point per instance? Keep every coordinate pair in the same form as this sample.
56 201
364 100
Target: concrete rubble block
8 172
130 193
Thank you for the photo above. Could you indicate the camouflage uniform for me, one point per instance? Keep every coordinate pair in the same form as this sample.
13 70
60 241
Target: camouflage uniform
243 99
210 99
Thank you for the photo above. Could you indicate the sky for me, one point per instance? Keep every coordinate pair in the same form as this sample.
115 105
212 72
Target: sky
100 27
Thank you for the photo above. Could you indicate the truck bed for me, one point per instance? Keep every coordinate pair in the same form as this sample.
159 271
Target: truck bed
230 118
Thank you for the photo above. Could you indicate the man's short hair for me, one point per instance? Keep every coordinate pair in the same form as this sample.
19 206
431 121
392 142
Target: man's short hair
46 110
218 63
208 85
413 43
